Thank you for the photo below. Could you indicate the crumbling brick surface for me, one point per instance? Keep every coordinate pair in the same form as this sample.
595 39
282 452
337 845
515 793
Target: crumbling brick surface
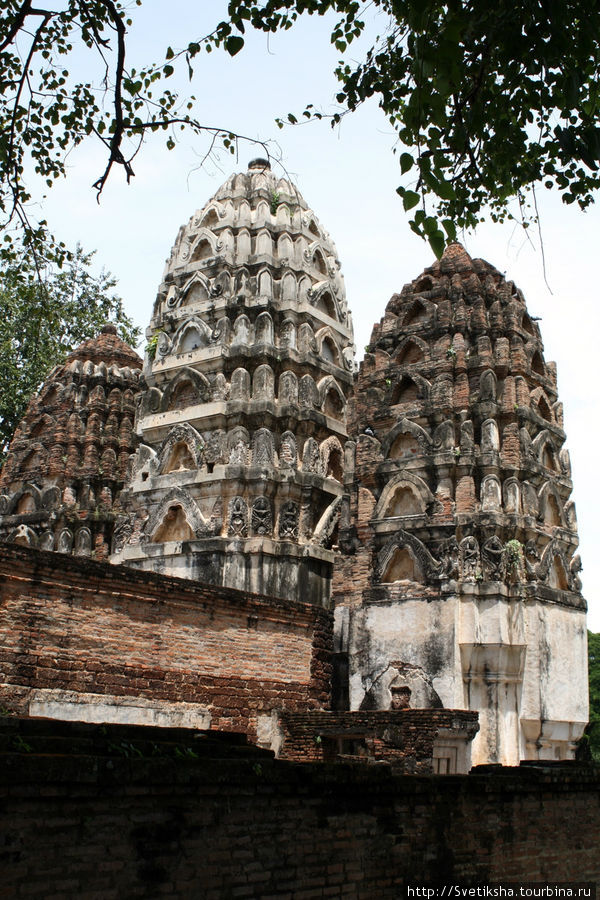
402 737
78 625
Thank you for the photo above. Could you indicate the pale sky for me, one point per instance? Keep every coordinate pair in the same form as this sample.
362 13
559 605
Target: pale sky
349 177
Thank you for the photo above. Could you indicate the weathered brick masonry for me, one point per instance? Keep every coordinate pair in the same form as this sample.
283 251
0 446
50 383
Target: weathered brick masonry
405 738
123 812
82 626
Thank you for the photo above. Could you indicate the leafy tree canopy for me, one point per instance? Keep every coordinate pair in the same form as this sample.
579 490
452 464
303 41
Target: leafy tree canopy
42 321
488 99
593 729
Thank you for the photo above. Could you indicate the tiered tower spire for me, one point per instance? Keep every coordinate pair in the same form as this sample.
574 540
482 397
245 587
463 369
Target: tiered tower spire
239 478
69 458
464 584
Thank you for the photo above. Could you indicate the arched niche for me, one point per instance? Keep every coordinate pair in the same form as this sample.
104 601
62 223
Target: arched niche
26 504
329 351
51 395
265 284
304 286
404 446
244 216
173 527
210 219
263 329
411 353
263 383
326 304
243 245
333 405
557 576
42 427
285 247
319 263
202 250
179 458
288 287
242 330
264 244
424 284
548 458
541 405
192 336
537 363
389 505
184 394
288 387
283 215
552 515
33 460
402 567
263 210
187 388
415 314
197 292
404 501
240 384
406 391
332 459
527 325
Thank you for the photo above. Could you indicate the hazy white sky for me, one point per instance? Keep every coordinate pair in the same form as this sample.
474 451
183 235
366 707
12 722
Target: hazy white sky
349 176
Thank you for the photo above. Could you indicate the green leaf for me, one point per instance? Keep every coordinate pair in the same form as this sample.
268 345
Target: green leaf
234 44
437 242
406 162
409 198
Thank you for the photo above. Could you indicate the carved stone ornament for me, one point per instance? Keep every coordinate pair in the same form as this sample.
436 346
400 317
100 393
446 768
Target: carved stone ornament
51 498
47 541
470 568
326 526
163 346
262 448
262 518
83 542
493 559
65 541
575 568
238 517
122 533
173 296
532 560
288 453
449 556
214 451
288 520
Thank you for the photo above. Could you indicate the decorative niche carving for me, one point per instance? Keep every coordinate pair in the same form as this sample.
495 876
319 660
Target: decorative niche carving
262 517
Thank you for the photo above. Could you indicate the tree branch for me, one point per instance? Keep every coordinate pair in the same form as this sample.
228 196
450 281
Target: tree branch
115 144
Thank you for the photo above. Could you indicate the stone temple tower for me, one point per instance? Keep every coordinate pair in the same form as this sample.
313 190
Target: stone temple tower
459 586
67 463
239 476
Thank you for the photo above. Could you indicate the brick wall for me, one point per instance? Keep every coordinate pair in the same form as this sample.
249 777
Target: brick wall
102 814
405 738
75 625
